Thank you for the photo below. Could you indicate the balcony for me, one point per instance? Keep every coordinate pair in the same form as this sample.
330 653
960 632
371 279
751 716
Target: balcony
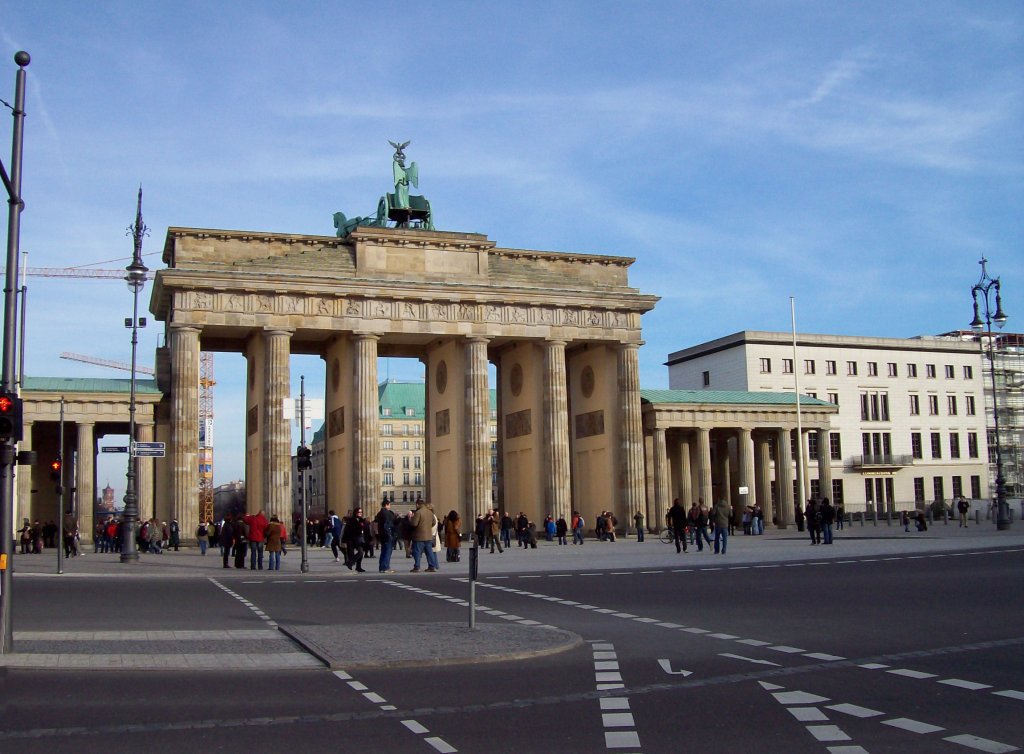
882 461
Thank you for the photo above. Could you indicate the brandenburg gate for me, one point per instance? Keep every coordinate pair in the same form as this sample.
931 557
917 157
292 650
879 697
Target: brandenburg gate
562 330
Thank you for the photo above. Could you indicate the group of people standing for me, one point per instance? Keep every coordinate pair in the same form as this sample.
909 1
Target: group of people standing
696 520
819 517
249 534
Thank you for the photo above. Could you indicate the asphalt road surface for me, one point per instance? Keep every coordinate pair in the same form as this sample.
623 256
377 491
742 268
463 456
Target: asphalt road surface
893 653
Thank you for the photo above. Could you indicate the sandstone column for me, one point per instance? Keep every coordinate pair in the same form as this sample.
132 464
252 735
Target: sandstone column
144 479
23 503
685 477
477 482
631 461
499 444
824 465
428 423
85 479
184 447
745 449
704 490
556 432
783 478
662 490
366 418
763 465
277 433
724 471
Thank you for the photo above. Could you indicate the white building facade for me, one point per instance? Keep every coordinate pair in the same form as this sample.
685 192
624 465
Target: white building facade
911 426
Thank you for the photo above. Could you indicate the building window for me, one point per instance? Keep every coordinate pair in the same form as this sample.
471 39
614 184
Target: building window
417 462
936 445
389 445
929 371
835 447
830 367
816 489
869 491
915 445
405 462
933 405
833 398
851 368
968 372
972 444
410 412
405 429
389 462
417 445
706 377
389 478
812 446
954 444
405 444
912 372
949 371
874 407
958 486
872 369
418 478
386 429
915 405
405 479
919 489
893 371
787 366
938 488
837 492
808 366
975 486
951 405
766 366
969 405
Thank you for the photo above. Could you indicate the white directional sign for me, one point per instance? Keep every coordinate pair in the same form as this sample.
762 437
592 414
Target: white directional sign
114 449
314 409
666 665
148 449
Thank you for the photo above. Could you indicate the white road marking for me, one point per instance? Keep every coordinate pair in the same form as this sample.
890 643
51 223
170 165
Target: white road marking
911 673
414 726
969 685
614 702
622 739
914 726
1010 694
823 656
787 650
807 714
827 733
749 659
374 697
872 666
981 744
855 710
618 720
798 697
666 665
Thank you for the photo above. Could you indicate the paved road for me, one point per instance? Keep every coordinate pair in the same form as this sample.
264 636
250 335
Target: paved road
883 643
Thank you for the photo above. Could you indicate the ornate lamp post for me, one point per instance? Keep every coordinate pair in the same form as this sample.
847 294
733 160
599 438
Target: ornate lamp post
984 286
136 279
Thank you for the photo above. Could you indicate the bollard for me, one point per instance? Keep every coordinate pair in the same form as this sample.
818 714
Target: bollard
474 566
862 518
888 518
977 517
874 517
945 516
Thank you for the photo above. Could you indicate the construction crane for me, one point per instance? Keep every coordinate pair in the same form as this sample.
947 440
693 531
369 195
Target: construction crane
106 362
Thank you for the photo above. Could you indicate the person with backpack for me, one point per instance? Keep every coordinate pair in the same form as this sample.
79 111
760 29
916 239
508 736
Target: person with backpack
226 539
202 537
812 515
578 525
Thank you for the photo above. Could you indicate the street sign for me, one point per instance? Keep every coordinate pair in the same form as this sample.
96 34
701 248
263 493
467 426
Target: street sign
148 449
114 449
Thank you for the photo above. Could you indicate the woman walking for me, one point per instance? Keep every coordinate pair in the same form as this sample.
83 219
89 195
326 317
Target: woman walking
274 542
453 536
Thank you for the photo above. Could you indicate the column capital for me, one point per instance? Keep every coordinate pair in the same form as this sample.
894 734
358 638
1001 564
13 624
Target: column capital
185 328
478 339
365 336
289 331
555 342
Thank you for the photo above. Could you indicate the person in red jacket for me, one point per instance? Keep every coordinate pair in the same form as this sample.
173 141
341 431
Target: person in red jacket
257 539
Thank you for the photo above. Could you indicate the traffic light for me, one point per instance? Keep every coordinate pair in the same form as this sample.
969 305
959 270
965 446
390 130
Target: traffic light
55 470
304 460
10 418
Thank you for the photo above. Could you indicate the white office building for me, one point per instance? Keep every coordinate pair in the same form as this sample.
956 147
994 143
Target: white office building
911 426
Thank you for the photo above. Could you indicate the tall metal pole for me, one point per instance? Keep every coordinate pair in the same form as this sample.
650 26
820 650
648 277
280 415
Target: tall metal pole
304 565
136 278
7 450
984 286
60 492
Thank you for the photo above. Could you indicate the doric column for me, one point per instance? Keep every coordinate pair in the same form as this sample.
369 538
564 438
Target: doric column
783 478
704 490
144 480
499 444
824 465
631 461
366 458
685 487
477 483
23 502
556 432
428 423
85 479
745 449
277 434
184 451
724 472
661 478
801 460
763 465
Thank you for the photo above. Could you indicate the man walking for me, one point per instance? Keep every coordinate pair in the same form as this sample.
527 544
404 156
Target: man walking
424 524
677 522
963 507
385 521
720 515
257 538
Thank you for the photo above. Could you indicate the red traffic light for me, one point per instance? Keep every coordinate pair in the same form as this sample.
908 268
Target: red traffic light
55 465
6 404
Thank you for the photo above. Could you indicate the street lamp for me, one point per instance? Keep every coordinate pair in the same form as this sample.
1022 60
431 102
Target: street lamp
984 286
136 279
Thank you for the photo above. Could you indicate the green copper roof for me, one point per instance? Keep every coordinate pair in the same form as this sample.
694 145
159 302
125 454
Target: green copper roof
87 385
736 397
398 396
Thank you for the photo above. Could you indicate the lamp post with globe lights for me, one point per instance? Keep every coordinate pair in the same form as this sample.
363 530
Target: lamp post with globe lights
135 276
985 286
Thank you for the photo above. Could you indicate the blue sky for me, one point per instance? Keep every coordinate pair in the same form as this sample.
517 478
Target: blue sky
860 157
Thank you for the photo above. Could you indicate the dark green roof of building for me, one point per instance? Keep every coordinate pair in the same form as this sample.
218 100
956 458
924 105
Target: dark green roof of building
735 397
88 385
396 397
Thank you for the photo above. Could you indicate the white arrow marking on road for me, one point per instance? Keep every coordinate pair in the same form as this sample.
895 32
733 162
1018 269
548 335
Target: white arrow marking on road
749 659
666 665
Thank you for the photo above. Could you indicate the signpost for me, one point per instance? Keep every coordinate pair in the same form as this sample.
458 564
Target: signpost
114 449
148 449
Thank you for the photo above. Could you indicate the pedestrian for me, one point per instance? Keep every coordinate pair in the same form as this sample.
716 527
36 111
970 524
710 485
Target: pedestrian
758 520
599 526
522 522
274 543
578 526
799 516
154 533
721 514
174 535
813 516
385 520
452 536
840 515
406 528
482 525
963 507
561 528
332 534
257 539
353 536
638 522
25 536
549 528
240 544
495 531
202 536
226 538
531 535
699 523
922 524
676 520
507 525
828 515
424 525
